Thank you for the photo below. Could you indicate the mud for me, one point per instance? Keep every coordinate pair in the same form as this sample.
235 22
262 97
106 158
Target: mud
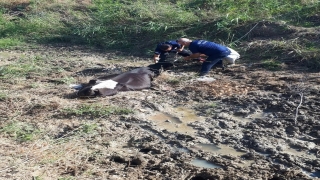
244 125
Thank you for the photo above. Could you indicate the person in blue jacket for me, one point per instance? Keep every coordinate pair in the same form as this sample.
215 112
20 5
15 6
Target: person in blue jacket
215 53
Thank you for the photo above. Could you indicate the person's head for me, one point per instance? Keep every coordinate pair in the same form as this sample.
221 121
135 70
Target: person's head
184 41
165 47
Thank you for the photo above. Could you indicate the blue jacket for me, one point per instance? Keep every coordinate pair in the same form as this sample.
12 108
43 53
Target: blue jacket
211 49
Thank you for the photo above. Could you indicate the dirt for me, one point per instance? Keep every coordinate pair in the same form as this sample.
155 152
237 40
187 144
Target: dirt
247 124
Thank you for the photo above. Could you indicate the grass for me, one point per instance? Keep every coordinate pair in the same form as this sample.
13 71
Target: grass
35 85
18 70
126 24
95 110
3 96
20 131
23 66
272 65
6 43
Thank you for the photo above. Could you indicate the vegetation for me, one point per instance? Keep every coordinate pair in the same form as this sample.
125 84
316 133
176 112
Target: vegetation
271 65
137 25
20 131
95 110
45 45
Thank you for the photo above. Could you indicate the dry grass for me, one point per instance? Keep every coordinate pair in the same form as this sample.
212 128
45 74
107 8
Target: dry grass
35 142
14 4
220 88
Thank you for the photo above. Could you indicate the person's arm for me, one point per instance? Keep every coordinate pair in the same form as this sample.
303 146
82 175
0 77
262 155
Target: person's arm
181 48
192 56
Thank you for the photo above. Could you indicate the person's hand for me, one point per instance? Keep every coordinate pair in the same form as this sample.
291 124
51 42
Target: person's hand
155 60
186 58
201 59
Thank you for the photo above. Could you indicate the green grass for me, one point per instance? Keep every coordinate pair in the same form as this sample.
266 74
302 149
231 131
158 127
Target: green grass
95 110
88 128
17 70
3 96
68 80
124 23
20 131
6 43
24 65
137 26
174 81
272 65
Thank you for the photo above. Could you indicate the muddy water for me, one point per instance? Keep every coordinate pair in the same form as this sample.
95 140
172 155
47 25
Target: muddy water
221 149
176 120
295 152
204 164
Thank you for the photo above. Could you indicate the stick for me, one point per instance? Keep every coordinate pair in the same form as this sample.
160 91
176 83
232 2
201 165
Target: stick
297 110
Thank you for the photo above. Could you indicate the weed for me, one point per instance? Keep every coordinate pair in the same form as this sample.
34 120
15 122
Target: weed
37 178
212 105
66 178
272 65
9 42
95 110
68 80
124 24
3 96
22 67
173 81
88 128
21 132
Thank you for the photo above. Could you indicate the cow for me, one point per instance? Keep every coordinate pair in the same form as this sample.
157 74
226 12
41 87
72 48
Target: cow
136 79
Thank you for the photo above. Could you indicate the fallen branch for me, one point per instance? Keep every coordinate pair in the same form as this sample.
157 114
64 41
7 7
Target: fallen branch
297 109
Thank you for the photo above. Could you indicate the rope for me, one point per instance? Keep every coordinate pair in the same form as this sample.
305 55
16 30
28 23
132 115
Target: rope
246 33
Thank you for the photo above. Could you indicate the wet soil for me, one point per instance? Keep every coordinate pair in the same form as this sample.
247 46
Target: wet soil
245 125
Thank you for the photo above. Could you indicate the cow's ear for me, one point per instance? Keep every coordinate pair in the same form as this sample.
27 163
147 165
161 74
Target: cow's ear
92 82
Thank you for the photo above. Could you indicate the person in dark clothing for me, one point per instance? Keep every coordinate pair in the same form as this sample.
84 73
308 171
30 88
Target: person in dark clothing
169 47
161 53
215 53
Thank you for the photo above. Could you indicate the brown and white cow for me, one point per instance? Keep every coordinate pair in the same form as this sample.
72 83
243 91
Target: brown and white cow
136 79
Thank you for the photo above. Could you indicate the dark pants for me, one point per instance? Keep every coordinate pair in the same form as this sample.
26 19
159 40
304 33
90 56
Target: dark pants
212 61
163 56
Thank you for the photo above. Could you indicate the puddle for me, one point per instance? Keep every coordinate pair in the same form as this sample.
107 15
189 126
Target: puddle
177 120
186 150
204 164
165 116
315 174
260 115
263 154
221 149
295 152
245 163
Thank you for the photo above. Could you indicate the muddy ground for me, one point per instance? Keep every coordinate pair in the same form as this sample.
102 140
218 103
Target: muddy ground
251 123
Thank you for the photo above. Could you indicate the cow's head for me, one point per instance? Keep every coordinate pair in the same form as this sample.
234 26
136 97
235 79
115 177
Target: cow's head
95 88
87 92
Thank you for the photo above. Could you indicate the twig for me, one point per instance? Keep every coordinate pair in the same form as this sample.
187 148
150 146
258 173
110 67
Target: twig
297 110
